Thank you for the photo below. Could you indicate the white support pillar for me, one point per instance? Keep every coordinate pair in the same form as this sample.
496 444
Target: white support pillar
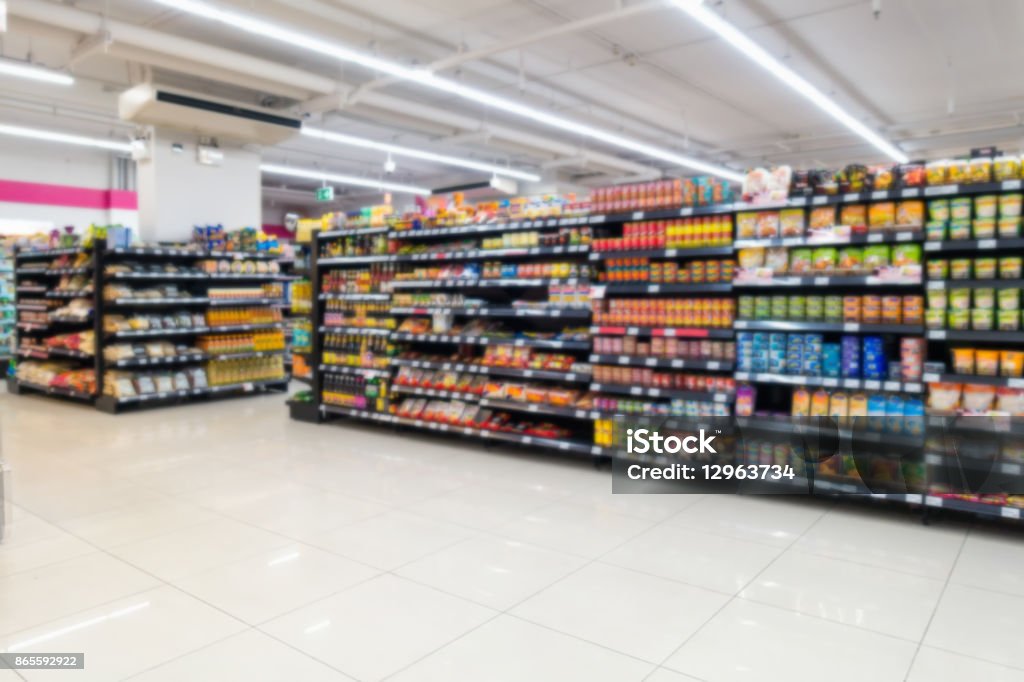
176 192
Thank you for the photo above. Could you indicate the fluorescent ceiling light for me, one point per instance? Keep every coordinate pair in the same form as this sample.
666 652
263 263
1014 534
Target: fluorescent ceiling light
342 179
297 39
63 138
418 154
736 38
23 70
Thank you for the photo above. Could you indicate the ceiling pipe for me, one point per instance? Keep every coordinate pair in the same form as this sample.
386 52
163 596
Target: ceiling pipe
538 143
577 26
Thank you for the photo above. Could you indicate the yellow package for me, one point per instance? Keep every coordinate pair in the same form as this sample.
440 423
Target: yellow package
746 225
839 406
910 213
819 403
801 402
881 215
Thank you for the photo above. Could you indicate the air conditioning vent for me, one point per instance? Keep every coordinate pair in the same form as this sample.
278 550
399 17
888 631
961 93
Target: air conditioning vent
150 104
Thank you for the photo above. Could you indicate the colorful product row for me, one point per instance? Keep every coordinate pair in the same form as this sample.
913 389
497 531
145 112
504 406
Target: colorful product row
667 272
867 309
827 260
644 376
681 233
988 363
1007 267
661 347
854 357
660 312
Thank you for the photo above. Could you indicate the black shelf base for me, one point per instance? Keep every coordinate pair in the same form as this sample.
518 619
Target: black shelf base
112 405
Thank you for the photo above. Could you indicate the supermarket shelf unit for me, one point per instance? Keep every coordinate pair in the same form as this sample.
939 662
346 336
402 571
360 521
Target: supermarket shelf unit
26 271
932 465
101 256
612 289
497 291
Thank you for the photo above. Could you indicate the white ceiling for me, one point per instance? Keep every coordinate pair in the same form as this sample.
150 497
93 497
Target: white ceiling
936 76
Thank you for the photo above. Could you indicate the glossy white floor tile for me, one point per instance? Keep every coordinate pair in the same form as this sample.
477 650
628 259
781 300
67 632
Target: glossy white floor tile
478 506
878 599
935 665
748 641
493 571
29 555
635 613
772 520
979 623
583 529
989 561
272 583
511 650
250 656
379 627
224 542
31 598
126 636
392 539
198 548
893 540
711 561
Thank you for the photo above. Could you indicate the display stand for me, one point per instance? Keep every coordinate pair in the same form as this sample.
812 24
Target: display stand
196 283
774 390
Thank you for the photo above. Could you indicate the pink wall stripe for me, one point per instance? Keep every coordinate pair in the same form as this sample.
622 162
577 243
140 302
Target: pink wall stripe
15 192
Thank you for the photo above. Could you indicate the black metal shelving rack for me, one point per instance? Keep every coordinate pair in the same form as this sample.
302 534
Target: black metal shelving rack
23 274
836 284
101 256
500 310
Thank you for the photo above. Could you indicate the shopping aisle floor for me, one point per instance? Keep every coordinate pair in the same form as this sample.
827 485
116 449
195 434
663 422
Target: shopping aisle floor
226 542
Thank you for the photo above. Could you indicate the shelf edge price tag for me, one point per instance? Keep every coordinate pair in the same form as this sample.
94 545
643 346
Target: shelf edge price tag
1011 184
986 243
1010 512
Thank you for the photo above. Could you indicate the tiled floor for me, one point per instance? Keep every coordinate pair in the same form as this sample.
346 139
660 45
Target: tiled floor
226 542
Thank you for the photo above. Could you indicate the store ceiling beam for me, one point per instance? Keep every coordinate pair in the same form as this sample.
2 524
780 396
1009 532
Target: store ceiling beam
459 58
469 137
538 144
90 46
566 162
170 47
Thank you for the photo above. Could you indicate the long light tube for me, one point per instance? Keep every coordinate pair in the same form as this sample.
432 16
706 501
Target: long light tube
63 138
396 150
320 176
30 72
422 76
732 35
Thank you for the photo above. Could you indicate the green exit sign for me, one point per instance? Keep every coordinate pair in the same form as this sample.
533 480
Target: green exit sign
325 194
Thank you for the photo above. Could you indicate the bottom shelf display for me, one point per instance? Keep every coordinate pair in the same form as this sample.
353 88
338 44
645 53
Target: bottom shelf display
57 378
485 425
